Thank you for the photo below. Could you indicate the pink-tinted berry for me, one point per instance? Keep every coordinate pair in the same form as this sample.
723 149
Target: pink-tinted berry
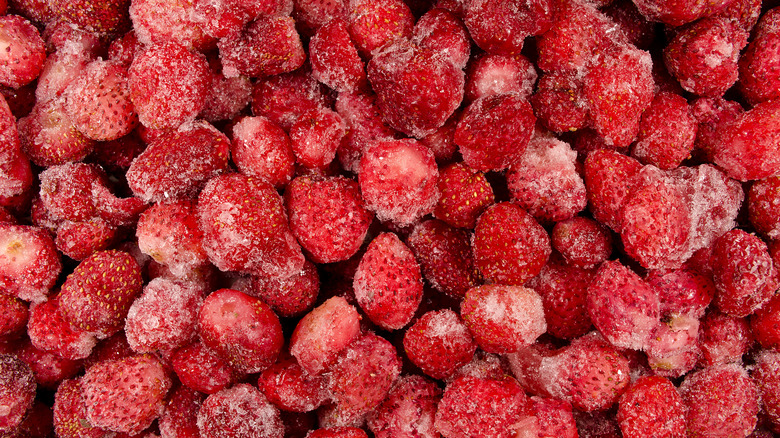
161 21
651 406
22 59
609 177
290 388
666 132
292 296
583 242
316 137
758 78
441 31
711 115
49 368
239 411
678 13
261 149
13 317
283 98
70 413
408 411
226 97
745 148
17 391
559 102
50 332
268 46
723 339
78 240
500 28
765 375
490 75
169 234
364 125
180 418
334 58
439 343
375 24
49 137
202 370
29 262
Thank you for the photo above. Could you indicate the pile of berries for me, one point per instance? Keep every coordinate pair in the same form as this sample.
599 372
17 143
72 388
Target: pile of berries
389 218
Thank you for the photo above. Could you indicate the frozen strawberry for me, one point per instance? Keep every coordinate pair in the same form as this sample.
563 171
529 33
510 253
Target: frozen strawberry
49 137
226 97
666 132
637 29
765 375
622 306
445 257
758 78
323 333
554 418
111 348
618 88
439 343
710 115
125 395
509 246
744 273
417 88
123 49
490 75
98 16
67 191
362 376
201 369
22 59
268 46
723 339
292 296
29 262
720 401
239 411
563 288
13 317
17 392
241 329
764 206
37 10
327 216
545 181
441 143
49 368
678 13
168 85
334 58
49 331
311 15
494 131
316 137
97 295
465 194
261 149
765 323
180 417
651 407
116 156
160 21
227 17
169 233
703 57
559 102
164 317
283 98
245 227
398 180
78 240
364 125
486 407
441 31
682 291
70 414
60 70
290 388
15 173
745 13
388 282
500 28
583 242
408 411
673 349
337 432
744 148
375 24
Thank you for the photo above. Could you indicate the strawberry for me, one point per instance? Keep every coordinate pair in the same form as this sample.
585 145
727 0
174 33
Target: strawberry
362 376
99 16
97 295
22 59
501 30
677 14
245 227
49 331
125 395
441 31
180 418
29 262
290 388
408 410
261 149
178 164
638 30
17 391
334 58
439 343
763 201
651 406
38 10
241 329
465 194
161 21
267 47
609 177
283 98
482 406
98 102
554 418
49 368
445 257
720 401
509 246
744 148
227 17
310 15
78 240
666 132
388 282
292 296
13 317
49 137
226 97
168 85
239 411
765 375
66 191
117 155
757 78
682 291
723 339
583 242
15 173
364 125
376 24
316 137
711 115
490 75
559 102
323 333
201 370
70 414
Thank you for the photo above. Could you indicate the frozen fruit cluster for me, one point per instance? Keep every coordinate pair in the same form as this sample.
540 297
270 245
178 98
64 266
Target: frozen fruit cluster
389 218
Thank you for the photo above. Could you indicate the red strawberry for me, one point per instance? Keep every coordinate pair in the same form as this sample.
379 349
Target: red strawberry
97 295
583 242
500 29
49 368
49 331
710 115
179 163
609 177
245 227
226 97
100 16
364 125
765 323
638 30
15 173
180 418
559 102
408 410
509 246
29 262
490 75
70 414
375 24
125 395
292 296
13 317
49 137
168 85
202 370
388 282
758 79
323 333
98 102
283 98
17 392
227 17
465 194
764 206
666 132
241 329
67 191
334 58
38 10
267 47
745 148
261 149
310 15
22 59
723 339
439 343
290 388
161 21
651 407
765 375
239 411
682 291
554 418
78 240
441 31
316 137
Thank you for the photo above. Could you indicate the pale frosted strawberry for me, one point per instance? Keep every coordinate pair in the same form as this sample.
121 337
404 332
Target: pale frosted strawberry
49 137
13 317
78 240
160 21
22 59
490 75
375 24
239 411
268 46
334 58
442 31
261 149
609 177
17 391
316 137
292 296
202 370
169 234
583 242
29 262
364 125
180 418
49 331
408 411
745 149
70 413
723 339
439 343
652 407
